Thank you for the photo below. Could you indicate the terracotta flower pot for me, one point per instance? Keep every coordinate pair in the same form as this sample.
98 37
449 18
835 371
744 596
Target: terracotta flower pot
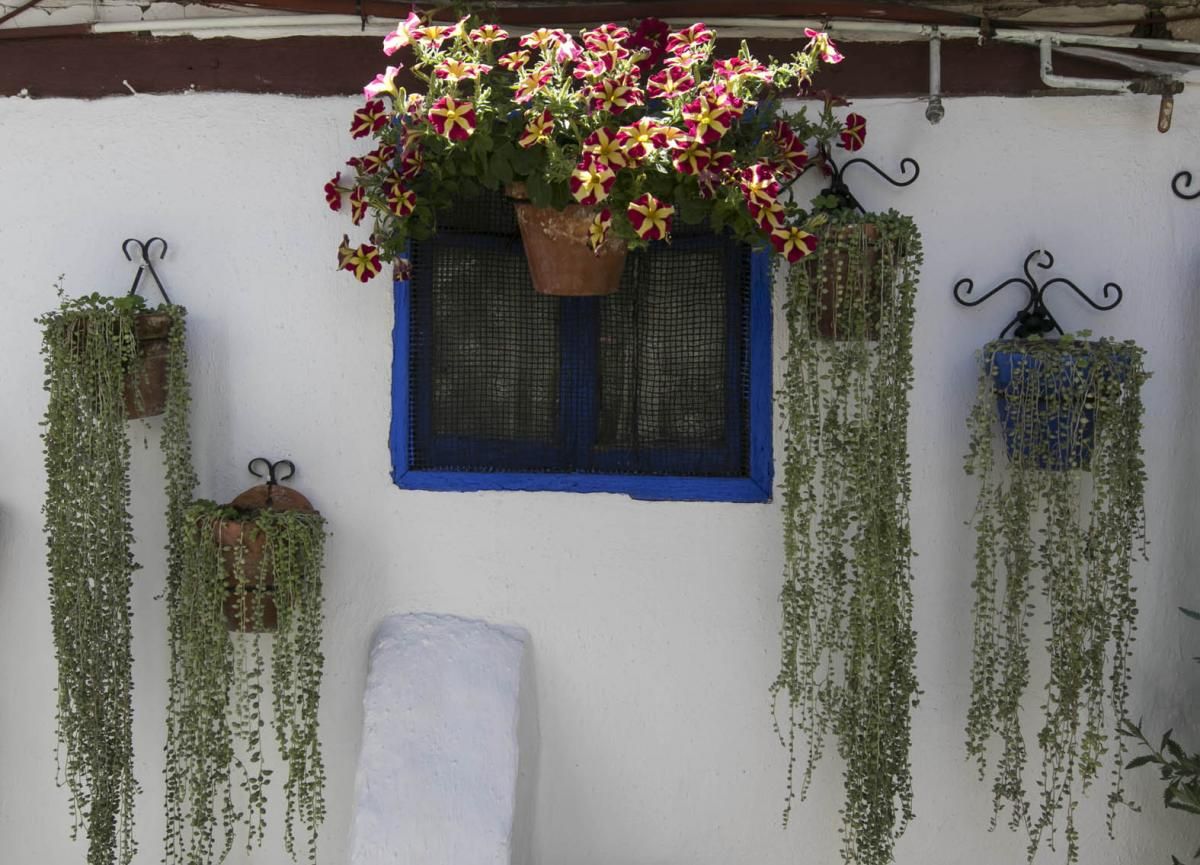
146 380
833 292
558 248
257 572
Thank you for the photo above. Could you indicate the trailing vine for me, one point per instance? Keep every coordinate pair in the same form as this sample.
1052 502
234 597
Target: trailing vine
1065 406
90 349
848 647
217 683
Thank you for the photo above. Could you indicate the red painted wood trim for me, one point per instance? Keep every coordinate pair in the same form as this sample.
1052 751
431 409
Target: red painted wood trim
89 67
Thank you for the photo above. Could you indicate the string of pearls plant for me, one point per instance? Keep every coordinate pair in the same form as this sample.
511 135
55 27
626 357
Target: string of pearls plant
848 646
1065 405
90 349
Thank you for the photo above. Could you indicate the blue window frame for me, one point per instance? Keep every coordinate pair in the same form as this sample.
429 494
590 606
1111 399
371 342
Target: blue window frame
497 388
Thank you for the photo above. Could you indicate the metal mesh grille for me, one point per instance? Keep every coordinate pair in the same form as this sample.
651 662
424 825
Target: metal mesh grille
651 380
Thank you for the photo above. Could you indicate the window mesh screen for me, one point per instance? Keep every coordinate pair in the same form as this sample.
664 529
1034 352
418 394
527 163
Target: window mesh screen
651 380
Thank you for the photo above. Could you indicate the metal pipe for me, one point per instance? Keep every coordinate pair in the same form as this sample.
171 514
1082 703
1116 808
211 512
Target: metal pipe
1108 85
934 110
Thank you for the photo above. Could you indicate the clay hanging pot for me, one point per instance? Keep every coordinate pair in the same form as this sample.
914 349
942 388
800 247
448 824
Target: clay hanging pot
834 290
146 379
257 572
557 246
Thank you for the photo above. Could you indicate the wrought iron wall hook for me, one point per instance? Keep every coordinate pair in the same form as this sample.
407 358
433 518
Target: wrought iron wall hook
837 181
272 470
1035 317
1182 180
144 263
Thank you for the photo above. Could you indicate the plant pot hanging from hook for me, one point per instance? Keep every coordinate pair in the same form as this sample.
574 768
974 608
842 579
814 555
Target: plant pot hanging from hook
246 552
146 379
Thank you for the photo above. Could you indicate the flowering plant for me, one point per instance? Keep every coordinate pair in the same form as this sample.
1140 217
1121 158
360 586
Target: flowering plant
642 126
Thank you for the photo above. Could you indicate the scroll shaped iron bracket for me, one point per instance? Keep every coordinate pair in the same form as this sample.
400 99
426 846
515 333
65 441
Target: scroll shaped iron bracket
144 264
1035 317
1180 182
837 181
272 469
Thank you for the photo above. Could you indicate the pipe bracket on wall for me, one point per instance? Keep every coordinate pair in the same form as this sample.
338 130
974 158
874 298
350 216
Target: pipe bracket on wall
1180 182
1035 317
837 183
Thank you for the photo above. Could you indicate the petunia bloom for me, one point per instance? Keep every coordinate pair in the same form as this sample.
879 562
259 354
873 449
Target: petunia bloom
411 162
370 118
333 193
641 139
358 204
707 120
606 147
792 152
543 38
854 134
528 85
513 60
650 218
384 82
598 230
488 34
690 39
400 201
362 261
793 242
377 159
692 159
759 185
459 70
453 119
402 36
824 46
591 181
537 129
615 95
669 82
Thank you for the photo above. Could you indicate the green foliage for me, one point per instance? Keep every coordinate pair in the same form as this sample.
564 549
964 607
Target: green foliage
848 647
217 684
1072 405
90 349
1179 769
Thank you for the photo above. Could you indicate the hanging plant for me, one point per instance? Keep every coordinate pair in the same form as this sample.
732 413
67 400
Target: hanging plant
849 650
1065 406
96 352
250 566
602 138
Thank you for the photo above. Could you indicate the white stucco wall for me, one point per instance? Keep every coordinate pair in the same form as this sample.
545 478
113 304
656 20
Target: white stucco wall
653 625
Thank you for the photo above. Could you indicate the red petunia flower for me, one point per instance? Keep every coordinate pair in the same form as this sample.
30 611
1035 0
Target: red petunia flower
453 119
641 139
591 181
606 147
759 185
692 159
333 193
598 230
707 120
792 152
358 204
614 96
453 70
528 85
793 242
669 82
824 46
687 41
854 135
769 217
544 38
378 159
606 38
362 261
650 218
384 82
487 34
513 60
412 160
400 201
402 36
537 129
369 119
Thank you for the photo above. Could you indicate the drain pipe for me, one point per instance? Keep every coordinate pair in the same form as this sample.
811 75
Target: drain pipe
934 110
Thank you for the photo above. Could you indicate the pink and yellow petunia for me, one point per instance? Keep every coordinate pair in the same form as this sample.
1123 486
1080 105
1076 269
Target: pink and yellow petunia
459 70
402 36
615 95
793 155
606 38
854 133
592 68
400 201
707 120
453 119
513 60
333 192
759 185
568 51
689 40
384 82
650 218
598 230
641 139
538 128
591 181
362 261
528 85
692 158
824 46
345 250
488 34
792 242
431 35
543 38
736 68
370 118
378 159
606 147
670 82
412 160
358 204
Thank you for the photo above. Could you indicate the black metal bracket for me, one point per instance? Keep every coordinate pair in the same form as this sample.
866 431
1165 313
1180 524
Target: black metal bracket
1035 317
1179 182
144 265
837 181
272 470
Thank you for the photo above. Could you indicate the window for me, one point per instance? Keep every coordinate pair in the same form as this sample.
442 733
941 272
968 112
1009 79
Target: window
660 391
